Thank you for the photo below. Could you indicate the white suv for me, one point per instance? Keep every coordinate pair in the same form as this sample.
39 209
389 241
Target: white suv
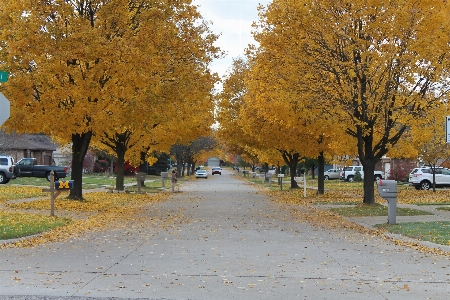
422 178
6 169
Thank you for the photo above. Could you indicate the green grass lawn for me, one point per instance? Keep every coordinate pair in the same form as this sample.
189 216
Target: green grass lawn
17 225
435 232
89 181
363 210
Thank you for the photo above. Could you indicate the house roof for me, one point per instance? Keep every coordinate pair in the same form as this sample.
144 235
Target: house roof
24 141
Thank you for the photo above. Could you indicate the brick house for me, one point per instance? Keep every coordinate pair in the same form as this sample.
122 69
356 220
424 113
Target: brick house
18 146
400 166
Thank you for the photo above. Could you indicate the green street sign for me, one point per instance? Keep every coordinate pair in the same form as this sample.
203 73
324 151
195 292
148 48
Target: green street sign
3 76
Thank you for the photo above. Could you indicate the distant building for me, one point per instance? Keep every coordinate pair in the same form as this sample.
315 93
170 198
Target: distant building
18 146
213 162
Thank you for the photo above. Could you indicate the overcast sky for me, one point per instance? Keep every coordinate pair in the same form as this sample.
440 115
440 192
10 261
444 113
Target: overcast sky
232 19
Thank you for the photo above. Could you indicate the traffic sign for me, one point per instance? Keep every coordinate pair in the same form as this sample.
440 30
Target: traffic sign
447 130
3 76
5 109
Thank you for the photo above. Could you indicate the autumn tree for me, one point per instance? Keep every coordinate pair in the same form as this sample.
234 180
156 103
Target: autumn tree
249 121
430 141
372 66
83 70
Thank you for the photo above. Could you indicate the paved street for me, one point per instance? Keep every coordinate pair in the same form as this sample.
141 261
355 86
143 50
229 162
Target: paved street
220 238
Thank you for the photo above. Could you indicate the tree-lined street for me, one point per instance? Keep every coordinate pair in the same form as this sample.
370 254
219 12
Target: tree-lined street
329 82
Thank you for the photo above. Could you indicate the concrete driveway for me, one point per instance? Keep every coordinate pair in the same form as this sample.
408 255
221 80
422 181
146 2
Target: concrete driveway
219 238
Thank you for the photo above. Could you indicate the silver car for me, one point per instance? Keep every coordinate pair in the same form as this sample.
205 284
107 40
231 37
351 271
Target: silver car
201 174
6 169
332 174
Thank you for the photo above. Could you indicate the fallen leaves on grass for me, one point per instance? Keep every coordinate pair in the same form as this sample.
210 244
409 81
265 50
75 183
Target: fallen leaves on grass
93 202
107 208
421 197
12 192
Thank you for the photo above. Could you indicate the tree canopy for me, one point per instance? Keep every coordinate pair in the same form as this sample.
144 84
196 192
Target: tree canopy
124 73
374 68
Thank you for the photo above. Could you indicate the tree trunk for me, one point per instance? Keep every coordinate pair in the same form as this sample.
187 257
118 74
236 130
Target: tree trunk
321 168
293 173
313 172
120 168
291 159
369 179
143 164
193 167
80 145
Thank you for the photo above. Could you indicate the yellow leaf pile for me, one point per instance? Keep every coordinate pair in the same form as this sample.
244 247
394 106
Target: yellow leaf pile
10 192
99 209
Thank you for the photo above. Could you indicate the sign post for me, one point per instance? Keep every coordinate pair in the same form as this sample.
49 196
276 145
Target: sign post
447 129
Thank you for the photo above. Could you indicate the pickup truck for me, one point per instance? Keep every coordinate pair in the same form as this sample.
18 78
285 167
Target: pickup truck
28 167
348 173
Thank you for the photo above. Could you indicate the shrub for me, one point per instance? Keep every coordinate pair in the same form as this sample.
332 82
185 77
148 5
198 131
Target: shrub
100 166
358 177
398 174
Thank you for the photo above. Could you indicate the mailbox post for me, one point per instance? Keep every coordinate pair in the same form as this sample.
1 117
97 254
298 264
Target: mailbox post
280 180
263 178
140 178
56 187
269 175
388 190
164 175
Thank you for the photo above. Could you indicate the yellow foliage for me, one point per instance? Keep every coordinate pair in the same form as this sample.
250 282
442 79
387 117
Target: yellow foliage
353 84
136 78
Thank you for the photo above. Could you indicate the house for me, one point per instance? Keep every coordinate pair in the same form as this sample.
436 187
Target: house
18 146
396 168
213 162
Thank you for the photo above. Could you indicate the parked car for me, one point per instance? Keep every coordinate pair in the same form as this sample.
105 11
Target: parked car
332 174
201 174
6 169
422 178
349 173
28 167
216 170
